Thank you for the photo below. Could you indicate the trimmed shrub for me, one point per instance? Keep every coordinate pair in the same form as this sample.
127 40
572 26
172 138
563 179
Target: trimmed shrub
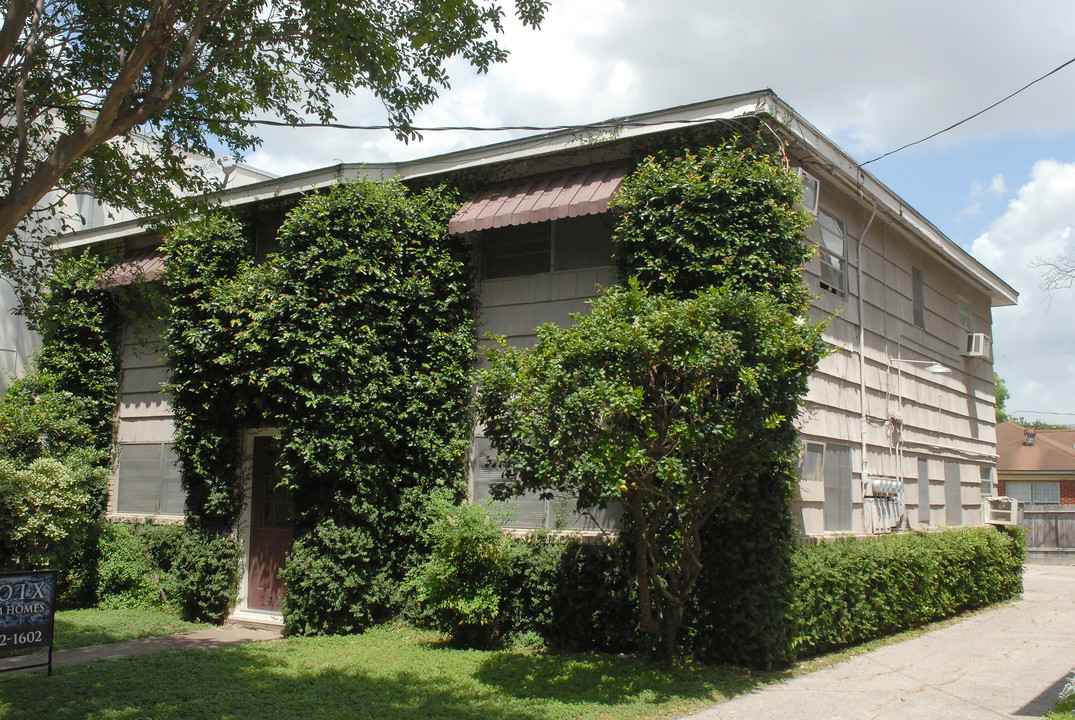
207 575
739 613
466 578
852 591
171 567
336 581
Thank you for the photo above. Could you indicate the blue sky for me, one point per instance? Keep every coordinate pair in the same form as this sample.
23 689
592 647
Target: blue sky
872 76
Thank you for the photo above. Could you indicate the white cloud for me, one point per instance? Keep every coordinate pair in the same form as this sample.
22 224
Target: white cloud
873 75
1034 342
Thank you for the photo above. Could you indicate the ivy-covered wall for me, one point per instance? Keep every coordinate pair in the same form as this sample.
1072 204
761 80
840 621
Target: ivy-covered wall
355 342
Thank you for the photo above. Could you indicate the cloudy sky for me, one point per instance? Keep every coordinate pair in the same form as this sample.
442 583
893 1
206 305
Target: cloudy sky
872 76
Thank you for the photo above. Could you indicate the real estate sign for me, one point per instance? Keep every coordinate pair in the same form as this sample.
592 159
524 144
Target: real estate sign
27 609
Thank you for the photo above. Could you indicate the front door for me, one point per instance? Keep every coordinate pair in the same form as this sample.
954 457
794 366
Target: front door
271 510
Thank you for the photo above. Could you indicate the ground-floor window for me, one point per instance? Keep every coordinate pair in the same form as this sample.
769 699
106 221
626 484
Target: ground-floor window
831 464
1034 493
531 511
148 480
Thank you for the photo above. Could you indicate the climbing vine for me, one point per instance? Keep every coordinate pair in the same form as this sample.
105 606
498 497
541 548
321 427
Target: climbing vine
355 343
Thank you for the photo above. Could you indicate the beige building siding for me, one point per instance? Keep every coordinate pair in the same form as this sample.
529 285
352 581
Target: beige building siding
515 307
907 412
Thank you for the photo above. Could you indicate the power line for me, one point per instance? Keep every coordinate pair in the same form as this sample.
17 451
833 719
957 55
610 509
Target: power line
971 117
612 124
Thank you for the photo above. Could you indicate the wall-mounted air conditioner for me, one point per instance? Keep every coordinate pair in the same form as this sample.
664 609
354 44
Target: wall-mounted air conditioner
1000 511
978 345
811 191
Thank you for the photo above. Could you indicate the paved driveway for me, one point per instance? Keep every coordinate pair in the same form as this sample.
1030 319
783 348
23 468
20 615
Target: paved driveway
1006 663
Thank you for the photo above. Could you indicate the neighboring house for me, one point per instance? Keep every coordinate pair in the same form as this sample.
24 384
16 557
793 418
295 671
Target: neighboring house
898 430
1037 468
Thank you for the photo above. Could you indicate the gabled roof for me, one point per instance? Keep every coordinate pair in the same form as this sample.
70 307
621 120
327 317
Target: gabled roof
1052 451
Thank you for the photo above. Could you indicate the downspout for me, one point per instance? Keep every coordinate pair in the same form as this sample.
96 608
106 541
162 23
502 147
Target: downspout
862 364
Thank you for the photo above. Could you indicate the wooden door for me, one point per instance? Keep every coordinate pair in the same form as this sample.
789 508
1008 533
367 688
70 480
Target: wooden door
271 511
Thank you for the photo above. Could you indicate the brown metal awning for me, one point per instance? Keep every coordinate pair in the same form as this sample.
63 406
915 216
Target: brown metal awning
140 266
549 197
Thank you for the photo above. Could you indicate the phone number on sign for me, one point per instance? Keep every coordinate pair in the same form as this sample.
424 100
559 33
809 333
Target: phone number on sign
22 638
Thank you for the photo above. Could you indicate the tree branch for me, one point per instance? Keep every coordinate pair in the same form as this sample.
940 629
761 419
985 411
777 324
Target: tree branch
18 12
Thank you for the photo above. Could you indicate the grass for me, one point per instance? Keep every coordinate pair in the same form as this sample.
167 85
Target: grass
391 672
78 628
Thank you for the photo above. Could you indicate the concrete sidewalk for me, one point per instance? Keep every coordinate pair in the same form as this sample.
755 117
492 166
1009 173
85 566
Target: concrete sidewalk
1005 663
199 639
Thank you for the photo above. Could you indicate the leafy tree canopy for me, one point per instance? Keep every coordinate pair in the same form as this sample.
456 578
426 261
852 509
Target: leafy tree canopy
78 79
666 405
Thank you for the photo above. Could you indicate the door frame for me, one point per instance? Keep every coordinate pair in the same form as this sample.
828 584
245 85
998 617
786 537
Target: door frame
242 612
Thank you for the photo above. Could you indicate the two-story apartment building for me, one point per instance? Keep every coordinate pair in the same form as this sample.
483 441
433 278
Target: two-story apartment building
898 430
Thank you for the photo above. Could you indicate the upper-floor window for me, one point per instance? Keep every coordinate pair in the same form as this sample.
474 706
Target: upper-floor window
833 248
566 244
918 298
966 316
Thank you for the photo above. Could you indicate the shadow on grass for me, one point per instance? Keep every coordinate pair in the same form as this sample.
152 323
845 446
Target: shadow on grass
610 680
240 682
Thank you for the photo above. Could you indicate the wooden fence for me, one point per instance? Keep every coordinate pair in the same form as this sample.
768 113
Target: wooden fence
1051 527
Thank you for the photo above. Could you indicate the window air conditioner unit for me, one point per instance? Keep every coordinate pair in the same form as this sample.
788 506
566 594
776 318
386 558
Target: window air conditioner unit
978 345
1000 511
811 191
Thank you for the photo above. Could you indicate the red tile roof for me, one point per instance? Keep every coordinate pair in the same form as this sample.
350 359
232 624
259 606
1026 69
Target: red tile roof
1052 451
550 197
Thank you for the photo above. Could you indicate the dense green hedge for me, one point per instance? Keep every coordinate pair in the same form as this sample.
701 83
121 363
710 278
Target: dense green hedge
848 592
576 594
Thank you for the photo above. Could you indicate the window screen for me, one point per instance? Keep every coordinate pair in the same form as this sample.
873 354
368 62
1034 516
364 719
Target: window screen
148 482
966 316
582 242
837 475
953 493
1034 493
530 511
919 297
515 251
832 250
923 490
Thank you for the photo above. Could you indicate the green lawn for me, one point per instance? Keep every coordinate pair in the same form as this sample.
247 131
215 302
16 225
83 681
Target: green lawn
78 628
391 672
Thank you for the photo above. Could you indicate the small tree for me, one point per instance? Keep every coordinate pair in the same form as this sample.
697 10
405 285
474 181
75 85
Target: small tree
1000 389
666 405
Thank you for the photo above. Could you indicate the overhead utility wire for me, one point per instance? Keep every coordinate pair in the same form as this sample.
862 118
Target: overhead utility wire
971 117
612 124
